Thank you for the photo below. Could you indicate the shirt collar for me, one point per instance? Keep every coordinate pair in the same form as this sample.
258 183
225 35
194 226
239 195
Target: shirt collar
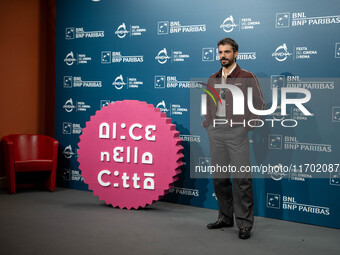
223 76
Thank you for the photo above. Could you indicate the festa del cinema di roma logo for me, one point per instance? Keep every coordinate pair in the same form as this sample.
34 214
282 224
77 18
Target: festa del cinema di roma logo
130 154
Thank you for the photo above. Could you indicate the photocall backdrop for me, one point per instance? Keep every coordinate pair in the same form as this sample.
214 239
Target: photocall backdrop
152 50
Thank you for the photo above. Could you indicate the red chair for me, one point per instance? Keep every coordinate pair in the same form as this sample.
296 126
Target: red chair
30 153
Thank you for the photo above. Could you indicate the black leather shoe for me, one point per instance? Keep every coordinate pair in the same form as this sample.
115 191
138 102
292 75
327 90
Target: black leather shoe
219 224
244 233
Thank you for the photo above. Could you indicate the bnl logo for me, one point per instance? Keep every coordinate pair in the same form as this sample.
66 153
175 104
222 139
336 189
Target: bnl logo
277 81
204 161
67 81
69 33
275 142
282 20
66 174
106 57
335 179
159 82
105 103
336 114
273 201
67 128
208 54
163 27
337 50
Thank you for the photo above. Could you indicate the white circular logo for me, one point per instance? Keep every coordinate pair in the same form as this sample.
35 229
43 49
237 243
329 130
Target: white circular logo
119 82
162 56
69 60
281 53
228 24
121 31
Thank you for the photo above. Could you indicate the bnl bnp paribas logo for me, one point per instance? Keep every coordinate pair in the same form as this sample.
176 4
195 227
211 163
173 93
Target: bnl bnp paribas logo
162 82
77 82
79 32
279 142
71 128
108 57
295 19
335 179
275 142
282 20
175 27
105 102
295 81
208 54
275 201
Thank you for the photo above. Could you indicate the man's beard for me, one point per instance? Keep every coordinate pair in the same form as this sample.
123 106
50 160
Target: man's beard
228 63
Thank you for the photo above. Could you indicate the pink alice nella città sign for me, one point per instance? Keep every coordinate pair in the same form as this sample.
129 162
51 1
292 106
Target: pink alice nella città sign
130 154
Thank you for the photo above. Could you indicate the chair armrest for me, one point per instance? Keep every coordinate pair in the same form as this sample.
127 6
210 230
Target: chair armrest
8 151
7 140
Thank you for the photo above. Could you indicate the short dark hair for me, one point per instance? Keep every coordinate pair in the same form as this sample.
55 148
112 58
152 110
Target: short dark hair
231 42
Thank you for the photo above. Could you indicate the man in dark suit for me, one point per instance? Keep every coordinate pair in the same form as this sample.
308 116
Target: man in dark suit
229 143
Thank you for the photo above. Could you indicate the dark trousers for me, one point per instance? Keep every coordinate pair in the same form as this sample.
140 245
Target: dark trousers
231 145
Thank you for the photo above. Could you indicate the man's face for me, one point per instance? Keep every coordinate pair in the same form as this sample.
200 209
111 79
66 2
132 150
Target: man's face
227 55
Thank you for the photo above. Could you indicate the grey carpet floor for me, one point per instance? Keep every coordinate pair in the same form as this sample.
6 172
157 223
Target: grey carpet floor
75 222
